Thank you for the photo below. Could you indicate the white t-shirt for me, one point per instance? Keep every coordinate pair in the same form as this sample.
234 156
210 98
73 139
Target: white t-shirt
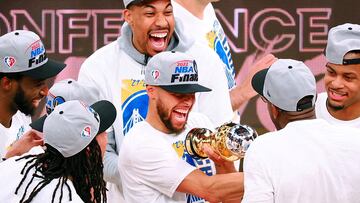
307 161
152 164
207 31
19 125
10 178
322 112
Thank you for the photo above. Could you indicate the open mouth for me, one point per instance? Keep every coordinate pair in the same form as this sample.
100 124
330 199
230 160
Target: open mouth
336 96
181 114
158 41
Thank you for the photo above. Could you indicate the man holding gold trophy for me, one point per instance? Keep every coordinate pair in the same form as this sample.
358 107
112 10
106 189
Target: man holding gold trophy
153 161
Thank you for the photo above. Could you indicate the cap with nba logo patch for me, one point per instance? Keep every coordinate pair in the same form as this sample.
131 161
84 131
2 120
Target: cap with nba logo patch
22 51
175 72
73 125
70 89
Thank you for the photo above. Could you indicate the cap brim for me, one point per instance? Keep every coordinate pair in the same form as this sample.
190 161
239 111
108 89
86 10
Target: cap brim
38 124
50 69
107 114
185 88
134 2
258 80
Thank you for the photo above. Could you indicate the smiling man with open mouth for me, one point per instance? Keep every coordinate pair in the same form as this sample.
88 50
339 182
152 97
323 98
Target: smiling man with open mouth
341 102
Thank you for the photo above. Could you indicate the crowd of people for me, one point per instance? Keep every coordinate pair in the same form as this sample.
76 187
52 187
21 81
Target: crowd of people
117 134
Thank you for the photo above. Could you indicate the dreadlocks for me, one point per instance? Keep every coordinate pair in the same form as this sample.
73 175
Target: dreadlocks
83 169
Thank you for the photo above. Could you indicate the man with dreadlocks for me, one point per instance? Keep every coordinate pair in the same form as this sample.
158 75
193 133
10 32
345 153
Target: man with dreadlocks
70 169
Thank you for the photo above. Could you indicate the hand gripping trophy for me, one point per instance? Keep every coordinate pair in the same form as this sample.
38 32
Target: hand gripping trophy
230 140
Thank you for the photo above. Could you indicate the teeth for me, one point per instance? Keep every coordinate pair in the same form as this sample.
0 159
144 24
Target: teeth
158 35
182 111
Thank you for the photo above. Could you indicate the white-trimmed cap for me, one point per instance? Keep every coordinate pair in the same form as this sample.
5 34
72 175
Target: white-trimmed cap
175 72
342 39
285 84
70 89
73 125
22 51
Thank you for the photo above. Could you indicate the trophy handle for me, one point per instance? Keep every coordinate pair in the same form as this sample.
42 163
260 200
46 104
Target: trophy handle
195 139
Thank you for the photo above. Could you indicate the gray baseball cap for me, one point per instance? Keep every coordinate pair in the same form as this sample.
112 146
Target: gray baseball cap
342 39
127 2
22 51
70 89
285 83
73 125
175 72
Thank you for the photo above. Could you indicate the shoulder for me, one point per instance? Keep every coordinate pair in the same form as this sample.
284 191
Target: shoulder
106 54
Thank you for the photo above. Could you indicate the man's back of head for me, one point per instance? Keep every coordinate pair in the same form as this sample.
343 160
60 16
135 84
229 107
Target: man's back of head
289 88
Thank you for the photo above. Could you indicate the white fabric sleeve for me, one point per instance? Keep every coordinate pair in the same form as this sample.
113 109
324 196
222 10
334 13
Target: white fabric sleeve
160 168
257 183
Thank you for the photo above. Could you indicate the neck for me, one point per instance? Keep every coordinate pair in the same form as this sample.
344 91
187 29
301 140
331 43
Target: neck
347 113
6 112
195 7
288 117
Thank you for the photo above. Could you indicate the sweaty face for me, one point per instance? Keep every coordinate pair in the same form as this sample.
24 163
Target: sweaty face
29 94
173 109
152 25
342 83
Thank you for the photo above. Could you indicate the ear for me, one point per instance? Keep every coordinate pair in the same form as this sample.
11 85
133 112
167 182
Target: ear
274 111
128 16
150 90
6 83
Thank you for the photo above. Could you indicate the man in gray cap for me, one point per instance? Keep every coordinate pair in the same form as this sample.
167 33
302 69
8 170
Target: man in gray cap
341 102
24 67
70 169
117 70
153 163
307 159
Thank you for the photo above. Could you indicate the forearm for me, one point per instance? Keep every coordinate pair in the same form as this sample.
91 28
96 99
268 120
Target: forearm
227 187
240 95
217 188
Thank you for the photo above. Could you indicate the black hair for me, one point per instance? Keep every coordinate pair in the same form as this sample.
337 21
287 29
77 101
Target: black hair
85 170
15 76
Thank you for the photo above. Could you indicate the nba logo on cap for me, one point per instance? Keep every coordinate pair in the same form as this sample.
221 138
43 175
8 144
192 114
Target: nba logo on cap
9 61
155 74
86 132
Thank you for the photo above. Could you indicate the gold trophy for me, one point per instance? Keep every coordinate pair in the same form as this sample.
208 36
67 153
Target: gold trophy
230 140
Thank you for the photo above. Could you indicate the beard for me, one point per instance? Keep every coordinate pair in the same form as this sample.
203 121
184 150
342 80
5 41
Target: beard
166 119
22 103
334 107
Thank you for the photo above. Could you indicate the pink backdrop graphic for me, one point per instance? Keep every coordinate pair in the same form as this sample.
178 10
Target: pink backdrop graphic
73 29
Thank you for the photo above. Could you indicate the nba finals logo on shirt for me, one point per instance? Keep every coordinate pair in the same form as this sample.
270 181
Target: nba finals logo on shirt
184 71
86 132
9 61
37 54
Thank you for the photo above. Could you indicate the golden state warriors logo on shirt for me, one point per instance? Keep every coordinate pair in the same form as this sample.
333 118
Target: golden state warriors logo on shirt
134 103
218 41
203 164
